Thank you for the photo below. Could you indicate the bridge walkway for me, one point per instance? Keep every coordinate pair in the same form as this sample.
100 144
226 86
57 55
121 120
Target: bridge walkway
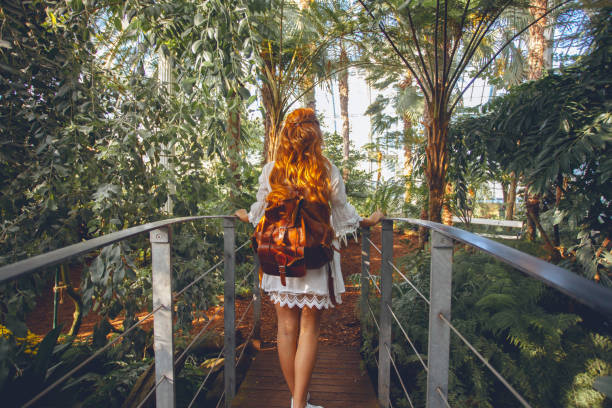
338 381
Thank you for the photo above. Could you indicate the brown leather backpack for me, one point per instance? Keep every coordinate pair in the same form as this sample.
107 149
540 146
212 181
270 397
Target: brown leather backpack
292 236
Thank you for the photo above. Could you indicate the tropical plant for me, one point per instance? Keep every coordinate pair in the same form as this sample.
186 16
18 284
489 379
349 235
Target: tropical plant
289 55
556 133
436 43
521 327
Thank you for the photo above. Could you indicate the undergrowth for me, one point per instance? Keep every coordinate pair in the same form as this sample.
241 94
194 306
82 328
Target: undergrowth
538 339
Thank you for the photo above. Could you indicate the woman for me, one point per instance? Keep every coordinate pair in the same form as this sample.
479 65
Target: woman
300 166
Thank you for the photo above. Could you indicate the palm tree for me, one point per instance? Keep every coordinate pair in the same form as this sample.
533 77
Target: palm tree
289 54
343 90
437 43
536 47
335 17
308 85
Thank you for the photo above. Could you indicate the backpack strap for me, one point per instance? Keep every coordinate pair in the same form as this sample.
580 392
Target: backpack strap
330 285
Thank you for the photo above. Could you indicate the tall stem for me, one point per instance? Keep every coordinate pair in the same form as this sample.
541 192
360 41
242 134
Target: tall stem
343 88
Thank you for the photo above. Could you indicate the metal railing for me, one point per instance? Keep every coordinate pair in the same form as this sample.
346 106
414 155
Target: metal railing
442 241
160 235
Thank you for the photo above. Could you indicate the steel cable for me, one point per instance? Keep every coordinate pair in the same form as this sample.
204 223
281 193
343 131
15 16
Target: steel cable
205 378
439 391
373 317
145 399
220 399
87 360
398 375
245 312
204 329
408 338
245 345
374 245
247 275
197 336
486 363
199 278
373 279
218 355
410 283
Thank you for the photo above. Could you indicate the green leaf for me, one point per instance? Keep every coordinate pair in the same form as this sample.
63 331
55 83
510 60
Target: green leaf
45 351
196 46
244 93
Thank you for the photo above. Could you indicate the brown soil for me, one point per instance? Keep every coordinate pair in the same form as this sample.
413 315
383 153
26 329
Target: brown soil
339 326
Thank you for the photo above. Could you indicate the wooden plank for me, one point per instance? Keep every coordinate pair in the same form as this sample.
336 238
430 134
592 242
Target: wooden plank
337 382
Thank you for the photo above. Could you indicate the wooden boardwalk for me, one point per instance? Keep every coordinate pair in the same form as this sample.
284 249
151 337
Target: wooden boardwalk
337 382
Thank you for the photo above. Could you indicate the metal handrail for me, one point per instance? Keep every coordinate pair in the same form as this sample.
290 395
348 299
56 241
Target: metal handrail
569 283
57 256
443 239
160 239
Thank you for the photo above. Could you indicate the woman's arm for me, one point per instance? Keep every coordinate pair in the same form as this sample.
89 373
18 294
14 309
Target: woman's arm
242 215
372 219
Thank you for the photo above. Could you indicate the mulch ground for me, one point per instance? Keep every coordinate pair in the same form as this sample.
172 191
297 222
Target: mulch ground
339 326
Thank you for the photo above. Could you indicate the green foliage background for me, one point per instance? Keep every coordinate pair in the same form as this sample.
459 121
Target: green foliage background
85 126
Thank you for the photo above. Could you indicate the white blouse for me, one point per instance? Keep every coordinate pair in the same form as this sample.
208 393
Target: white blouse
310 290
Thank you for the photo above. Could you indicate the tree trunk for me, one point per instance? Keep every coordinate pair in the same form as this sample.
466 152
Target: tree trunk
537 43
505 187
407 158
379 156
308 85
423 231
272 123
535 61
533 217
447 214
166 79
407 142
344 115
233 127
511 197
532 207
558 197
309 96
266 100
436 151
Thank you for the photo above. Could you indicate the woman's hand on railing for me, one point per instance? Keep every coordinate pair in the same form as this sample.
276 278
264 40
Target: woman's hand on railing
372 219
242 215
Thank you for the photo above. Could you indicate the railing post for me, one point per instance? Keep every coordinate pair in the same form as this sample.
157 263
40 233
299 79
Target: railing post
229 297
365 270
386 286
256 300
163 341
439 333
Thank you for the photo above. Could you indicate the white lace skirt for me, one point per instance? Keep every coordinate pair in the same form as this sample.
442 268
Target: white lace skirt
310 290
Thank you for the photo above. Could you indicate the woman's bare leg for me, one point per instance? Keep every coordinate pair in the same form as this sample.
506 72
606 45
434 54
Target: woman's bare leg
287 335
306 354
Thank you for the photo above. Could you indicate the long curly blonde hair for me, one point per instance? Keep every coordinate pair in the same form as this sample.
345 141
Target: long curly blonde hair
300 169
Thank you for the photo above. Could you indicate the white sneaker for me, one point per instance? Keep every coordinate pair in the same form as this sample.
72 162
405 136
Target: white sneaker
307 404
